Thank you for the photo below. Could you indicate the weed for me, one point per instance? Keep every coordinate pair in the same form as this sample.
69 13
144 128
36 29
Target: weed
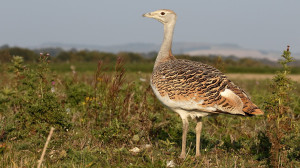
279 117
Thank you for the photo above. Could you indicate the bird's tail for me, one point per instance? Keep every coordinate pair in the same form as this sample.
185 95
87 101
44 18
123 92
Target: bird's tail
252 110
257 112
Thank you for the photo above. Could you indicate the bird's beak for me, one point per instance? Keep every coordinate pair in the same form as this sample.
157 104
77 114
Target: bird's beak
149 15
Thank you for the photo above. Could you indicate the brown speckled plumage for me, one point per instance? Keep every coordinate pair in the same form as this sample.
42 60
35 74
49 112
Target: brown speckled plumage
183 80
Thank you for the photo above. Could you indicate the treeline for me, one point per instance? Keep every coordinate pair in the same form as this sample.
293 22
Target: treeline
58 55
6 54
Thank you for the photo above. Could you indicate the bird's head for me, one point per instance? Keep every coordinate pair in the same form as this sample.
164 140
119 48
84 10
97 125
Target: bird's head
165 16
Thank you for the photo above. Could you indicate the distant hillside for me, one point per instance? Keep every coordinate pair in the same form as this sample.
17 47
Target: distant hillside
189 48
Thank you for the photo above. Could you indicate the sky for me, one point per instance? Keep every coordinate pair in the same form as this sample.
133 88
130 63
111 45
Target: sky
252 24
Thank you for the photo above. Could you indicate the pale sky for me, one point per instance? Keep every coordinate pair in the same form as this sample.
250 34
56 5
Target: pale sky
252 24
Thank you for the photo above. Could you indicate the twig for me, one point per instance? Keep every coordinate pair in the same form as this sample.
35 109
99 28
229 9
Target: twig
45 147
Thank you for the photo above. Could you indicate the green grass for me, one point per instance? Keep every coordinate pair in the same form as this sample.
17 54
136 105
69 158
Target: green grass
147 68
92 66
100 116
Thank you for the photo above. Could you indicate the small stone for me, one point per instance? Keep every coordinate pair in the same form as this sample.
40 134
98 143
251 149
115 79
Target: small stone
147 146
135 150
170 163
142 79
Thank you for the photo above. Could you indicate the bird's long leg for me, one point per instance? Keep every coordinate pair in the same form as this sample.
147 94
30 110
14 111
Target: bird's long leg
185 128
198 134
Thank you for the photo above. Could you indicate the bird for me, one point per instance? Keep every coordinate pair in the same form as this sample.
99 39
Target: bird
193 89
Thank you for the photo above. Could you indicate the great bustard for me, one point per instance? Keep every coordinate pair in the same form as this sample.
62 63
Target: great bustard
193 89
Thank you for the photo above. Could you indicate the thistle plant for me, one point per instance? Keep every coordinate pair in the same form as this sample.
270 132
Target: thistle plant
279 120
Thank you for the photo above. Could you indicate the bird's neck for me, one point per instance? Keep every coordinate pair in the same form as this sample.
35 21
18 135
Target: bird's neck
165 52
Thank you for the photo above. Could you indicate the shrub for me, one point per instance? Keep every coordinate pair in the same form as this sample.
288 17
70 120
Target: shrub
33 98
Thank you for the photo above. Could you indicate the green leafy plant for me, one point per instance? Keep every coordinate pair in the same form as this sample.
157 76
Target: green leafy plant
34 96
279 113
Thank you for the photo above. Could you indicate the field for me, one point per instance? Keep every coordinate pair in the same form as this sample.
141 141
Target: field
111 118
294 77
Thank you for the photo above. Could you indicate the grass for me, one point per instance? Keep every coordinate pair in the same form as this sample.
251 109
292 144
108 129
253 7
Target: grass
147 68
100 116
92 67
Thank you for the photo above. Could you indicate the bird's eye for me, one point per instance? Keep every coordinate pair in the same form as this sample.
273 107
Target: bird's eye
162 13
